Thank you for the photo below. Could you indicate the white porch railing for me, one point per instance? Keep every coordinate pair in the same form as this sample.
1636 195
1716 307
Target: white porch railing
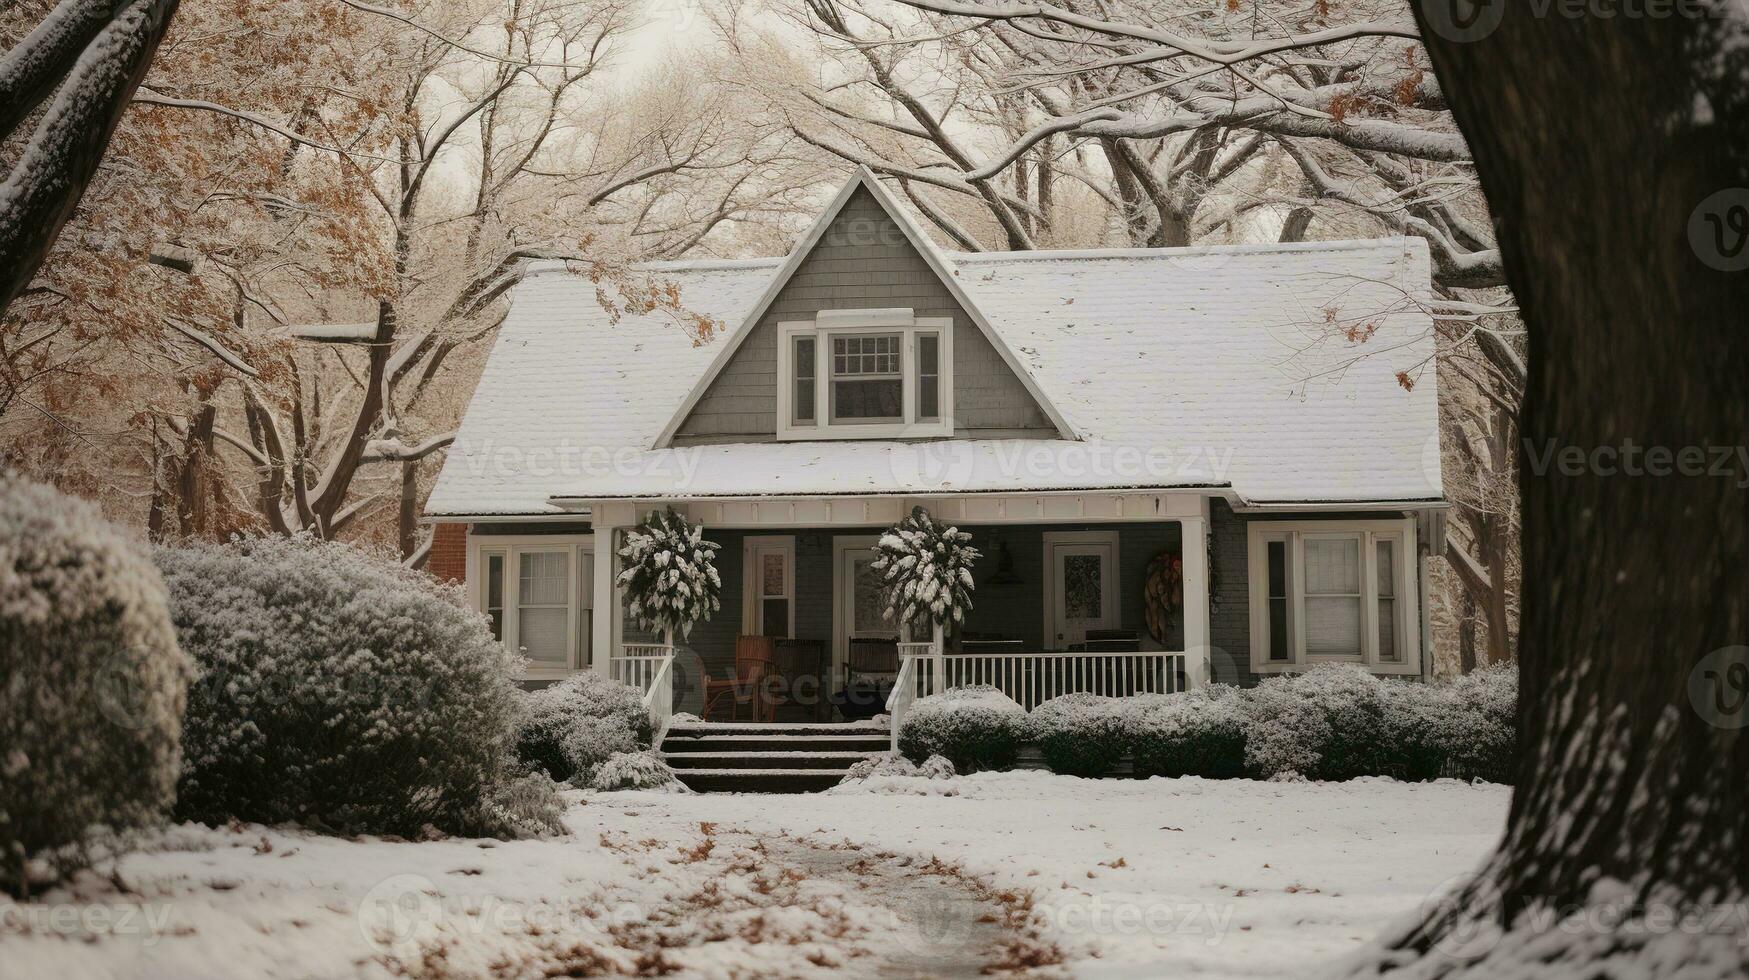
649 667
1034 678
905 688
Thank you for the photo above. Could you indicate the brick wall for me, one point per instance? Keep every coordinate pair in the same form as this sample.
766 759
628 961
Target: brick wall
449 552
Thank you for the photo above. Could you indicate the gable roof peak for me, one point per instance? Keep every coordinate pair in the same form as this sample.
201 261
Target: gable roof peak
862 178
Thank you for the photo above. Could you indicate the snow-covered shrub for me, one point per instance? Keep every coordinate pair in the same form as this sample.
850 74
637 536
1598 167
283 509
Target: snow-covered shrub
1484 744
670 574
1333 722
1197 733
336 690
926 570
1079 734
91 684
974 728
570 728
526 806
635 770
934 767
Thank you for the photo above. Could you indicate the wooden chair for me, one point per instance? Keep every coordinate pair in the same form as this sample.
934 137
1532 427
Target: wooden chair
799 676
754 657
872 658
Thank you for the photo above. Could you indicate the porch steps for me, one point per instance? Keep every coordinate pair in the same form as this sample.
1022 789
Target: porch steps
767 758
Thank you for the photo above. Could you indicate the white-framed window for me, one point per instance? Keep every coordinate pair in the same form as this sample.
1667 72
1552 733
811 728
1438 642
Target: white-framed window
768 585
1333 592
865 374
537 592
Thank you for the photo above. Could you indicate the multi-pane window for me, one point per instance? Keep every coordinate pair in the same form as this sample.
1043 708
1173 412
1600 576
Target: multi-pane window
866 381
1328 592
536 592
865 374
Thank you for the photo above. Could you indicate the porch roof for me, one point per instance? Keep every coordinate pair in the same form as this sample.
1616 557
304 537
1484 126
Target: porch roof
1276 371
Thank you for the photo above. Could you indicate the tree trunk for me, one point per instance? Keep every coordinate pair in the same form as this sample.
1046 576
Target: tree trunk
1631 809
1467 633
61 155
408 522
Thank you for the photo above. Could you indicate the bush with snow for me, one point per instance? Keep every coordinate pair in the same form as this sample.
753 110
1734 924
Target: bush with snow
635 770
92 684
570 728
934 767
975 728
338 691
1080 734
1333 722
1488 748
1197 733
522 807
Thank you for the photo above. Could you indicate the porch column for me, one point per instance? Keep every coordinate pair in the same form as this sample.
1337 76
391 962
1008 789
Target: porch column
1195 530
606 613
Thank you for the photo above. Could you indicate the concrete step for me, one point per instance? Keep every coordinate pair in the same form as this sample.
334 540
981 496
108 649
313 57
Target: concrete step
673 745
766 760
760 780
698 729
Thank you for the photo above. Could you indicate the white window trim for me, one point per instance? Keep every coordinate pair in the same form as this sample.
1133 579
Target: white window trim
1260 533
1112 597
581 551
831 323
752 582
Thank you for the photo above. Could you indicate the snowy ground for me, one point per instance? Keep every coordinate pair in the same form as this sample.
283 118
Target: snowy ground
1017 870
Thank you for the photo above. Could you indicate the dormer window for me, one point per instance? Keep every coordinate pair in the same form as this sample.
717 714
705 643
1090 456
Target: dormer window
865 374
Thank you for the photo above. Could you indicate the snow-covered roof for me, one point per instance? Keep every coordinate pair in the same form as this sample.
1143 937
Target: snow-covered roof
1272 370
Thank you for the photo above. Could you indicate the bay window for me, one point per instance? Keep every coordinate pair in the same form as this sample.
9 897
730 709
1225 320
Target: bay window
865 374
1329 592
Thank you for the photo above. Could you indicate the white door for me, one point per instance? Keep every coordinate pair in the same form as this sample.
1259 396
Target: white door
1083 590
858 612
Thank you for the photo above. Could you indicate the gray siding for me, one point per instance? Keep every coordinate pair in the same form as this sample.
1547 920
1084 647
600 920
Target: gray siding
863 261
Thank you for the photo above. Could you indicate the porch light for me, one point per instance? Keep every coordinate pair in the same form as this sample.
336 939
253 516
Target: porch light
1005 574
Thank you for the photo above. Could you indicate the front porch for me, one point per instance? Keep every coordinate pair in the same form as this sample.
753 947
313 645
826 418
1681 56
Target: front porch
1061 605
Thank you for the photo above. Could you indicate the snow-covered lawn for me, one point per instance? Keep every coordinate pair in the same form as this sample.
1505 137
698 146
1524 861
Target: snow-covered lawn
1109 878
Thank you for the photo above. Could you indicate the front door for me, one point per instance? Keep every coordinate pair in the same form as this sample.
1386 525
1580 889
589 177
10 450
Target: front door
1083 587
858 611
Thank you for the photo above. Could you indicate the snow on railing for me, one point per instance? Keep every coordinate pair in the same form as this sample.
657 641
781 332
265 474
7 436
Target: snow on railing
1034 678
904 689
649 667
660 699
638 662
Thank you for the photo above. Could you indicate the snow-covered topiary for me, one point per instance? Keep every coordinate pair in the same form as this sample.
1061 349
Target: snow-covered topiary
1080 734
91 684
1197 733
336 690
669 574
926 570
570 728
974 728
636 770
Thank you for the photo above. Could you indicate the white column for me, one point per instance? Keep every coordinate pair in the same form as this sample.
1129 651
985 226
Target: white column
937 665
1196 596
602 646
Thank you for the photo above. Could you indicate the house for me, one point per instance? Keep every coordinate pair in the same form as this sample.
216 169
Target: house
1267 415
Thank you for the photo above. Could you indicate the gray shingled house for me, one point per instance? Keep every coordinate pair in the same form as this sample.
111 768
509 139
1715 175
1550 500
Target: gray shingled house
1250 428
